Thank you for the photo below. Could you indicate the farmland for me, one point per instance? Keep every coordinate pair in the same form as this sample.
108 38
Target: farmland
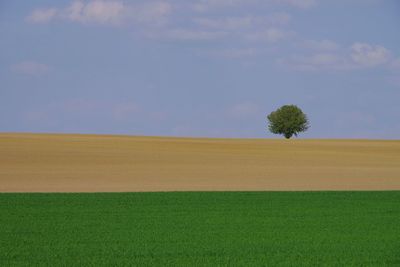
94 163
117 200
201 229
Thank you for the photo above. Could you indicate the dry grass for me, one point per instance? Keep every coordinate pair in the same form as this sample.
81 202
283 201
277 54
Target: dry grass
90 163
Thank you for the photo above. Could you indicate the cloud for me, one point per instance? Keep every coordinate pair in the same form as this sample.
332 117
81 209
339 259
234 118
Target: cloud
96 11
155 13
42 15
369 55
238 29
242 22
358 56
110 12
152 19
207 5
30 68
313 62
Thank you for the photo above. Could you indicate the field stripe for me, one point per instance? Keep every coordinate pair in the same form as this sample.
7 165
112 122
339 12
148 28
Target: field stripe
95 163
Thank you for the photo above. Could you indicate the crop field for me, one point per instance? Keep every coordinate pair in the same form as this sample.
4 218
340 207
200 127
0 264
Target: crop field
90 163
87 200
201 229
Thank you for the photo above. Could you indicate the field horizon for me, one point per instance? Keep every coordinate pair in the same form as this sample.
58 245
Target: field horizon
120 163
278 138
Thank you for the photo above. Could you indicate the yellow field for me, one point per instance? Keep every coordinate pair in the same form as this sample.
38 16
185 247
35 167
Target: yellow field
90 163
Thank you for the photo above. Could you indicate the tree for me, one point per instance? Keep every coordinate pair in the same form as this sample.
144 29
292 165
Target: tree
288 120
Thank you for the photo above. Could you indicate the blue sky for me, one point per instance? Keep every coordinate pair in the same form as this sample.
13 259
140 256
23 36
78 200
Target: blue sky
211 68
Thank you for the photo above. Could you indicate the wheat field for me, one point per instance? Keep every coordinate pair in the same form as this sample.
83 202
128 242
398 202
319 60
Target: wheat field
100 163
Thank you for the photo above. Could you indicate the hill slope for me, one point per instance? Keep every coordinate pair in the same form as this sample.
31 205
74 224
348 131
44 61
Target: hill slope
90 163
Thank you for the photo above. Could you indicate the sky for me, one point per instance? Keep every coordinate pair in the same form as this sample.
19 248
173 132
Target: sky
201 68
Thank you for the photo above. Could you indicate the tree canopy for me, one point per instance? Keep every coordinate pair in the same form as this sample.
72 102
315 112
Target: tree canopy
288 120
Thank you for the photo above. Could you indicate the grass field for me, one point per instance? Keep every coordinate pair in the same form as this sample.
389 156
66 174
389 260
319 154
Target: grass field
90 163
201 229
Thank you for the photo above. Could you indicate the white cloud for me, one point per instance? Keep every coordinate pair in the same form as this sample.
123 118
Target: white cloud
358 56
42 15
30 68
155 13
369 55
243 22
206 5
74 11
238 29
96 11
113 12
152 19
314 62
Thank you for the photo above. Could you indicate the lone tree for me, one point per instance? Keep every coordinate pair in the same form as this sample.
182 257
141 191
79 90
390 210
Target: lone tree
288 120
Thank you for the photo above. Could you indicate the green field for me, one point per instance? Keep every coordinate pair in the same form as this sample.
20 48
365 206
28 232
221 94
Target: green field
199 229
